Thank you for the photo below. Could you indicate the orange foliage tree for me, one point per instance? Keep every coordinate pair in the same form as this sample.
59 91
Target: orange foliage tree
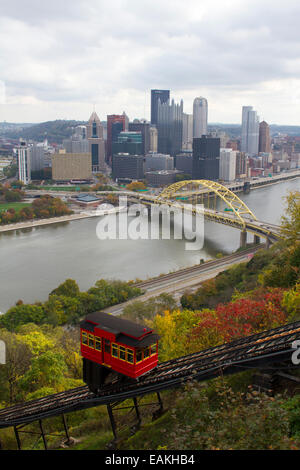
245 316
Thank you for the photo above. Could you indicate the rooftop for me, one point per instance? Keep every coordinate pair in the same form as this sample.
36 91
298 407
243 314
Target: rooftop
116 325
87 198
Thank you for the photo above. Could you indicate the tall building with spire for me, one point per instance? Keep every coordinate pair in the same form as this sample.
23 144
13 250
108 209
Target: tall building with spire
96 143
200 113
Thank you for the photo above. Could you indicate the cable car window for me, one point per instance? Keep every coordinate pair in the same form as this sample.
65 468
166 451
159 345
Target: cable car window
84 338
130 356
153 349
122 353
98 343
91 341
114 350
139 356
107 346
146 353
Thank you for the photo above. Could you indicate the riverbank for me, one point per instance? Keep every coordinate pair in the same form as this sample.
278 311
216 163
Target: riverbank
57 220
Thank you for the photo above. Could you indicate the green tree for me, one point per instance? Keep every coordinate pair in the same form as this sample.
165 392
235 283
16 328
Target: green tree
46 370
18 357
21 314
290 226
68 288
291 302
13 196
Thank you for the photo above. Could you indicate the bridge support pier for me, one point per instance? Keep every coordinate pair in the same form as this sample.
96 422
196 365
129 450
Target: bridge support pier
243 239
256 240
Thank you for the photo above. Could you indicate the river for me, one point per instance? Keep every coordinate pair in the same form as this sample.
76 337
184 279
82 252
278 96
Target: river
34 261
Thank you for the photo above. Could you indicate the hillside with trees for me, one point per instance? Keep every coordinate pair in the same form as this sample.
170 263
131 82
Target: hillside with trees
54 131
224 413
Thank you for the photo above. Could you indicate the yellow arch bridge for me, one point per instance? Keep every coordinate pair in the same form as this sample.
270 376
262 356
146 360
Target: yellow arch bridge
236 214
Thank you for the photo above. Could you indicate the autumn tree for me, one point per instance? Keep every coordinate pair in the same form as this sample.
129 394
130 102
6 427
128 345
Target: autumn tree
290 226
136 186
18 358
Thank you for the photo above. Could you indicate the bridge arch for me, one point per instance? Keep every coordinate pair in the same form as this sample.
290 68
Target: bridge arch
239 208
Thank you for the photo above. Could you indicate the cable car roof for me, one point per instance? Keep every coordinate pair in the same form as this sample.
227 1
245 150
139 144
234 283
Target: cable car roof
114 325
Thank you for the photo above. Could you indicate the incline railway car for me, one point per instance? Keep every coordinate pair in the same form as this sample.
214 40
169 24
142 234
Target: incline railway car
114 349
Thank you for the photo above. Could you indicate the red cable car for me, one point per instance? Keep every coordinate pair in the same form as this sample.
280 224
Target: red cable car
114 348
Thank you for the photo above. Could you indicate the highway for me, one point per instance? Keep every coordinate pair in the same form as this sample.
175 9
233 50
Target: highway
178 282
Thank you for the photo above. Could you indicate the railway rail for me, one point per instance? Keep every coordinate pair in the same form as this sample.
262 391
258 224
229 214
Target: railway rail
261 350
198 268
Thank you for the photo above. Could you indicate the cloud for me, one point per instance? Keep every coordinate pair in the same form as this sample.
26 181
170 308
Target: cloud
67 55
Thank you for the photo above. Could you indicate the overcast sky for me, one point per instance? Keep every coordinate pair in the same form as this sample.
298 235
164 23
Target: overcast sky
59 58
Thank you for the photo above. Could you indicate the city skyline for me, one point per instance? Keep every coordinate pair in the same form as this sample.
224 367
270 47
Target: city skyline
55 65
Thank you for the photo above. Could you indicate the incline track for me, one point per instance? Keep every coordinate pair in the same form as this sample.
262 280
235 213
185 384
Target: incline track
260 350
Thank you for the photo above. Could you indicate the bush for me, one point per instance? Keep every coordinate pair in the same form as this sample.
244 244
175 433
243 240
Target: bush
229 420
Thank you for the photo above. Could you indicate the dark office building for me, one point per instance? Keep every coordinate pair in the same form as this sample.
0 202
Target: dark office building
169 127
115 124
206 158
144 129
116 129
161 178
128 142
184 162
128 166
156 95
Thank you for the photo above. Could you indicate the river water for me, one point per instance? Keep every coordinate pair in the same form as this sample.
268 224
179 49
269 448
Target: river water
34 261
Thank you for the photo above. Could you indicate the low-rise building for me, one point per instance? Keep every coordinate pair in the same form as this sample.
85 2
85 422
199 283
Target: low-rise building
158 161
161 178
68 166
86 200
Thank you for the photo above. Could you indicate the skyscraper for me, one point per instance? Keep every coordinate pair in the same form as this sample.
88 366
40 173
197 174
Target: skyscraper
169 127
264 138
200 111
96 143
128 142
250 131
144 128
116 123
153 139
242 165
23 153
227 164
187 132
158 95
37 156
206 158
